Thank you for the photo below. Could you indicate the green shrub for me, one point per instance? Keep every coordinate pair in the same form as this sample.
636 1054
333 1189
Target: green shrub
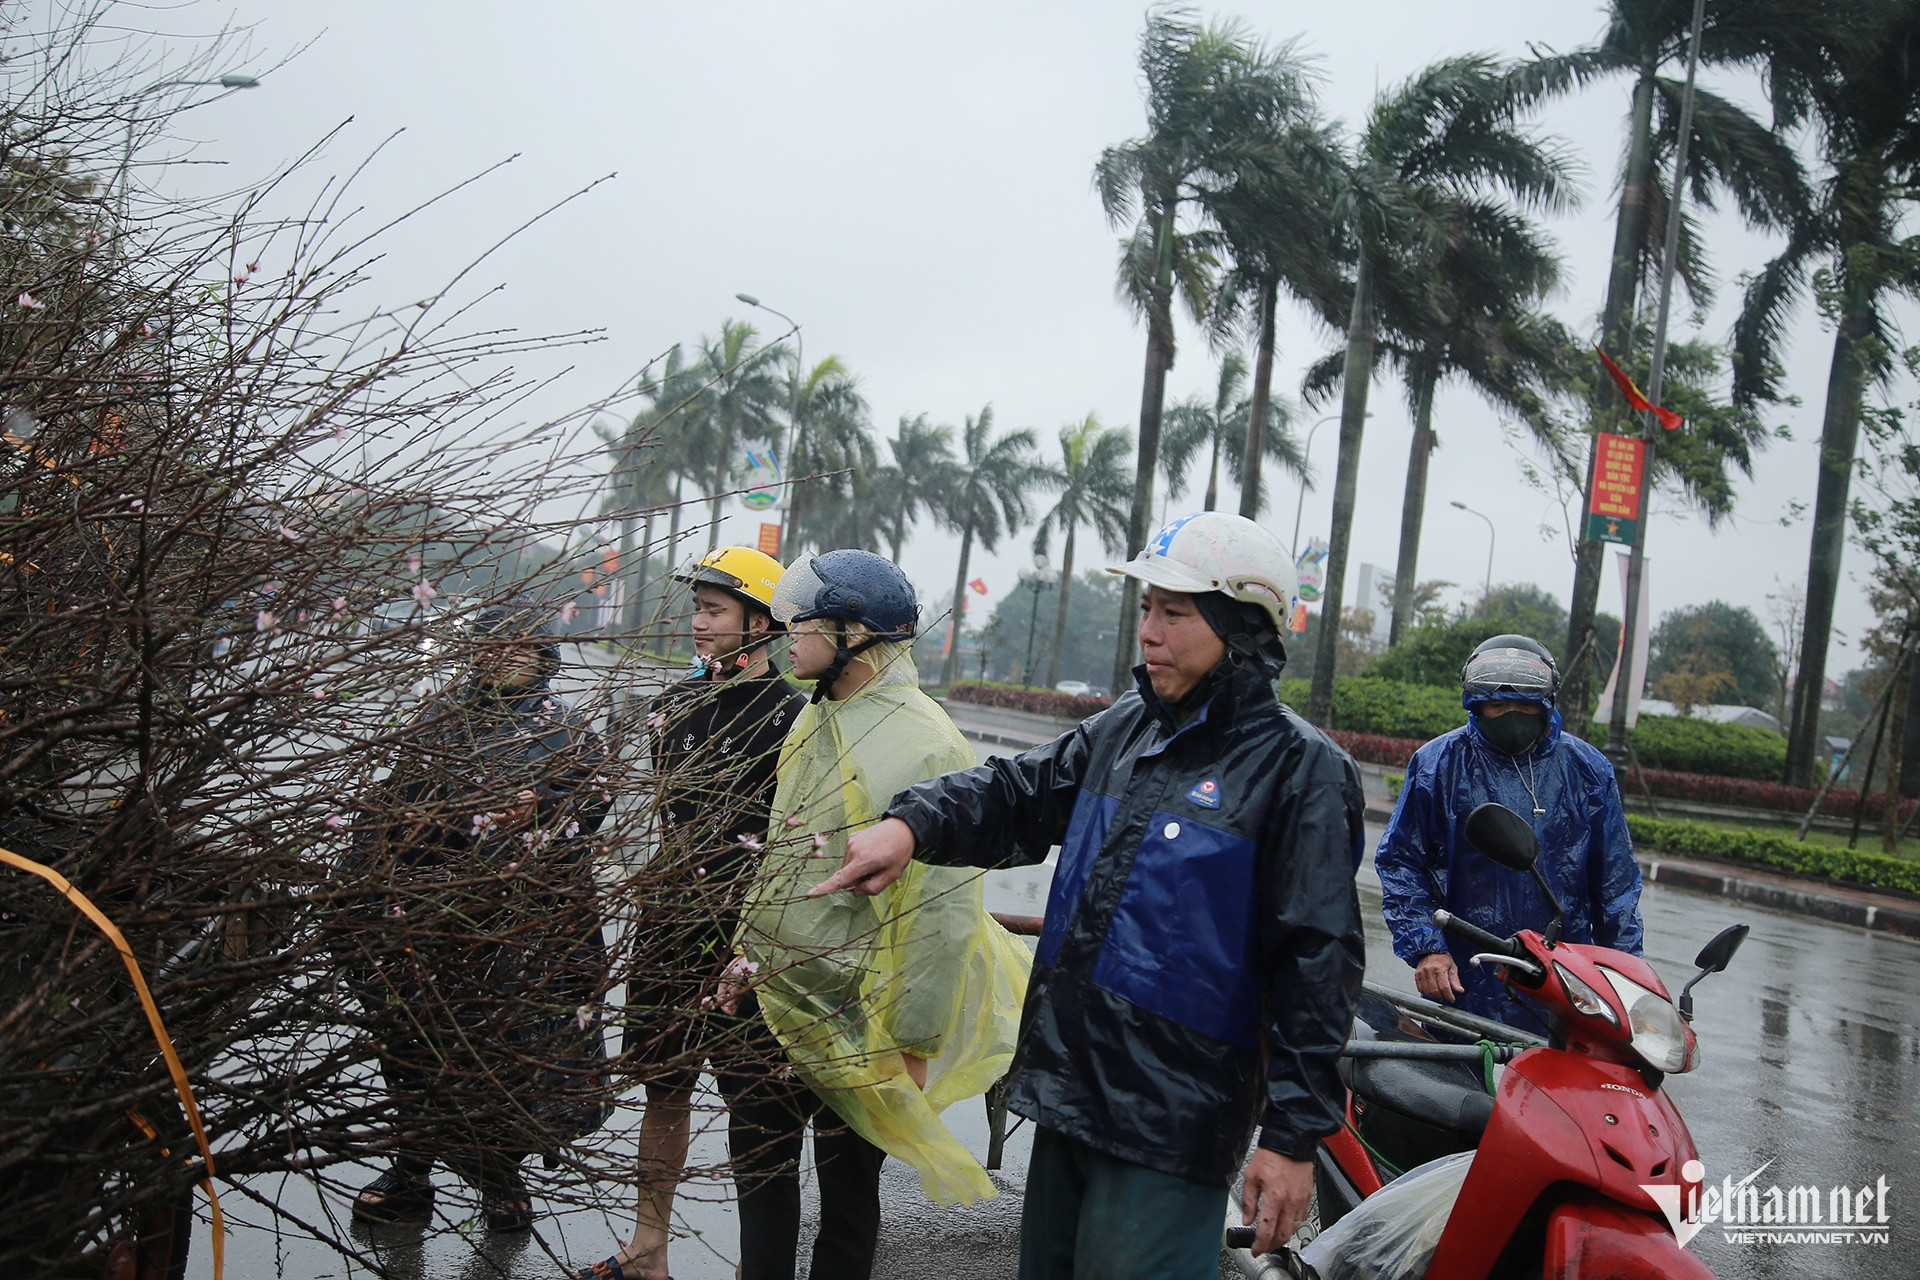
1699 746
1696 839
1395 781
1386 707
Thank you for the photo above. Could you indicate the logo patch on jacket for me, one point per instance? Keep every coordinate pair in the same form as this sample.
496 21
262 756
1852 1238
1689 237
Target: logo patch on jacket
1205 794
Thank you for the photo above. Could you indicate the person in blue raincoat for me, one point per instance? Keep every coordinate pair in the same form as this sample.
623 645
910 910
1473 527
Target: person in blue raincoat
1511 750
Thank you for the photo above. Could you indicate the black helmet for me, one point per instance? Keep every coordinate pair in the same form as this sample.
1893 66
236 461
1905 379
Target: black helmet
521 619
1510 666
851 586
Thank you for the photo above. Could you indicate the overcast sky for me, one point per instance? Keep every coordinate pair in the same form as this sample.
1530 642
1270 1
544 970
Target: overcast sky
913 184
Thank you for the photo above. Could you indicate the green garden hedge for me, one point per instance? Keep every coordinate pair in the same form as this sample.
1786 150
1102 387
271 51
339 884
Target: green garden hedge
1385 707
1700 746
1698 840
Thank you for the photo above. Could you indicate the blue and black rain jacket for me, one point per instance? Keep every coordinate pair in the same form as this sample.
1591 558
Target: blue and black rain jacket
1566 789
1202 949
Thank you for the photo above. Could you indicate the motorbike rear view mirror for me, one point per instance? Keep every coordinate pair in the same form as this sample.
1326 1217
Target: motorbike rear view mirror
1713 957
1718 954
1509 840
1503 835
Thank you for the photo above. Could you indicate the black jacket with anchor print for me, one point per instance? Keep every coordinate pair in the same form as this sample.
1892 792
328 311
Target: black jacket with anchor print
716 749
1202 948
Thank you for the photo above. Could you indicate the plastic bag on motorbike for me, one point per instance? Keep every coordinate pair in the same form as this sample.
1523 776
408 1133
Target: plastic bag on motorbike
1394 1231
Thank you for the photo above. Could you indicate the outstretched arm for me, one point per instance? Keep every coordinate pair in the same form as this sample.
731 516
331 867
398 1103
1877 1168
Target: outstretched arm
1006 812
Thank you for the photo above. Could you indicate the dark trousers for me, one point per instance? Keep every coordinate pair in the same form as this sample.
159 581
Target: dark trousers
1090 1216
767 1120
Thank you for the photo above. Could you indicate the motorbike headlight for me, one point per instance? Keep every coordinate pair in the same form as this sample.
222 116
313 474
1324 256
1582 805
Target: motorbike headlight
1660 1036
1584 997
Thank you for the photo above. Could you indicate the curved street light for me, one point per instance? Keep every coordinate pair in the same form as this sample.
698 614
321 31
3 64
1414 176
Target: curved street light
231 82
1037 579
799 372
1306 455
1486 592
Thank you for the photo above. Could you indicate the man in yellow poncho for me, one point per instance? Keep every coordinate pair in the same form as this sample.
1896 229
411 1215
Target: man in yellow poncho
887 1009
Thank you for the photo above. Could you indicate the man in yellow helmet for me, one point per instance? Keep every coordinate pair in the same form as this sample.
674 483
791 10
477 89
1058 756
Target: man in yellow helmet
715 738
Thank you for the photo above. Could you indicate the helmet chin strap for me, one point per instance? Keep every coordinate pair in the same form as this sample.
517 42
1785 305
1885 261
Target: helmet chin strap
842 655
743 657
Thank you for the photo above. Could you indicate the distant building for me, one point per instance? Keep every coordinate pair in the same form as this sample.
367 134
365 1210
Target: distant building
1376 594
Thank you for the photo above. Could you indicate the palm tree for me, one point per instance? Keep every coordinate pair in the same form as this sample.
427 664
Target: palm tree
1867 109
1214 96
829 444
918 479
1729 152
988 498
1452 130
1221 426
743 391
1093 491
1464 308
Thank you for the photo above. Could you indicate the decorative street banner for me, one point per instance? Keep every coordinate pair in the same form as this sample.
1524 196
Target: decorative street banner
770 540
1614 509
762 480
1312 567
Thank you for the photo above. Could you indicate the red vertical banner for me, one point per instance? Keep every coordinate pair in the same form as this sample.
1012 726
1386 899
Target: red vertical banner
1613 510
770 540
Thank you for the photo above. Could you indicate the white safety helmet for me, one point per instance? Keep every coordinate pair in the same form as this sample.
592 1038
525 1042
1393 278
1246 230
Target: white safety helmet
1215 551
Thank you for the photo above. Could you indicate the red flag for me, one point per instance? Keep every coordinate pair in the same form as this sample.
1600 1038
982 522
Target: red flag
1668 418
980 585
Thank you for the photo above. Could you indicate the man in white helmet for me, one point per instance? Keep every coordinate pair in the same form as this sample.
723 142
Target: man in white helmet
1202 951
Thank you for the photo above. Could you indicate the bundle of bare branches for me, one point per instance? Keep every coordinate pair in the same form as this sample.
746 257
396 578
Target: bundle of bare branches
257 543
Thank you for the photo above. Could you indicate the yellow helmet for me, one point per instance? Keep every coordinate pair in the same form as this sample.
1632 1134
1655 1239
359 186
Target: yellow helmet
742 572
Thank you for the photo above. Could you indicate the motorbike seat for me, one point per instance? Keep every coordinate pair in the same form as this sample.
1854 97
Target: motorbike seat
1447 1095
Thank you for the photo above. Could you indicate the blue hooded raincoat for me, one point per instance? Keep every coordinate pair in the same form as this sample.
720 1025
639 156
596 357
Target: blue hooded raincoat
1425 861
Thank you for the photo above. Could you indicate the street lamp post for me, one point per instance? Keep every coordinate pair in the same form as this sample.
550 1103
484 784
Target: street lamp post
1486 591
799 372
1037 579
1301 504
230 82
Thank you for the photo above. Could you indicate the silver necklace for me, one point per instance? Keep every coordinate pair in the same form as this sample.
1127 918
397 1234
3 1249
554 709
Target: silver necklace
1528 782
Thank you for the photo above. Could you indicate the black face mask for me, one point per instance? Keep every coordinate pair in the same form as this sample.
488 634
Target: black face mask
1513 732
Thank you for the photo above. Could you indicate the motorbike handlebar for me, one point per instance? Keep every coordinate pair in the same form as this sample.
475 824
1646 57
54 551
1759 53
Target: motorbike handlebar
1447 922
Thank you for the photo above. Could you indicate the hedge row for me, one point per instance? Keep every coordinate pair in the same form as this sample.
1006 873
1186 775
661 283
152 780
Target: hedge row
1374 748
1041 702
1700 746
1389 708
1696 839
1748 794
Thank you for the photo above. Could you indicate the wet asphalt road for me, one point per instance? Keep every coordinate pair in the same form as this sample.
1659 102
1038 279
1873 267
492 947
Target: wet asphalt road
1811 1060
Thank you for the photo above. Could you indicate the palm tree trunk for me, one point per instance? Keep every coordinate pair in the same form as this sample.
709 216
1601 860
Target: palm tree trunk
1250 466
642 580
1839 435
665 607
1355 377
959 606
1153 395
1060 614
1616 336
1213 474
1413 507
898 540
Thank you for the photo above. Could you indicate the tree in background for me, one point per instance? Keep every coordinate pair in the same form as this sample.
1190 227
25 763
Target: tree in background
1215 97
995 479
1855 246
1730 153
1220 426
829 452
1712 652
1086 649
918 479
1451 132
738 403
1092 480
1437 646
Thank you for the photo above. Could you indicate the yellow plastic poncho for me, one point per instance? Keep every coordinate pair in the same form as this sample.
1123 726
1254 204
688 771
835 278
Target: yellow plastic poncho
849 983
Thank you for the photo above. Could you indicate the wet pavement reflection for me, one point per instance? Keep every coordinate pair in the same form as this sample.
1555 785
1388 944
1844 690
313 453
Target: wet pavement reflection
1811 1061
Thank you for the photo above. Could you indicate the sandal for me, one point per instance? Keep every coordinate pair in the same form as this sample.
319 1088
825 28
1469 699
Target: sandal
609 1269
396 1198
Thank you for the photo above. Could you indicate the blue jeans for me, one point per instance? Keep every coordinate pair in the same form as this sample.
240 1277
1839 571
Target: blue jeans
1090 1216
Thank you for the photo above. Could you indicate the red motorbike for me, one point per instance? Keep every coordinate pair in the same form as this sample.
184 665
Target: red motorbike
1562 1156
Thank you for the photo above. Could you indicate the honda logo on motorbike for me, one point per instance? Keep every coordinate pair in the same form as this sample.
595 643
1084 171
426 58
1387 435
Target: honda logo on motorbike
1777 1215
